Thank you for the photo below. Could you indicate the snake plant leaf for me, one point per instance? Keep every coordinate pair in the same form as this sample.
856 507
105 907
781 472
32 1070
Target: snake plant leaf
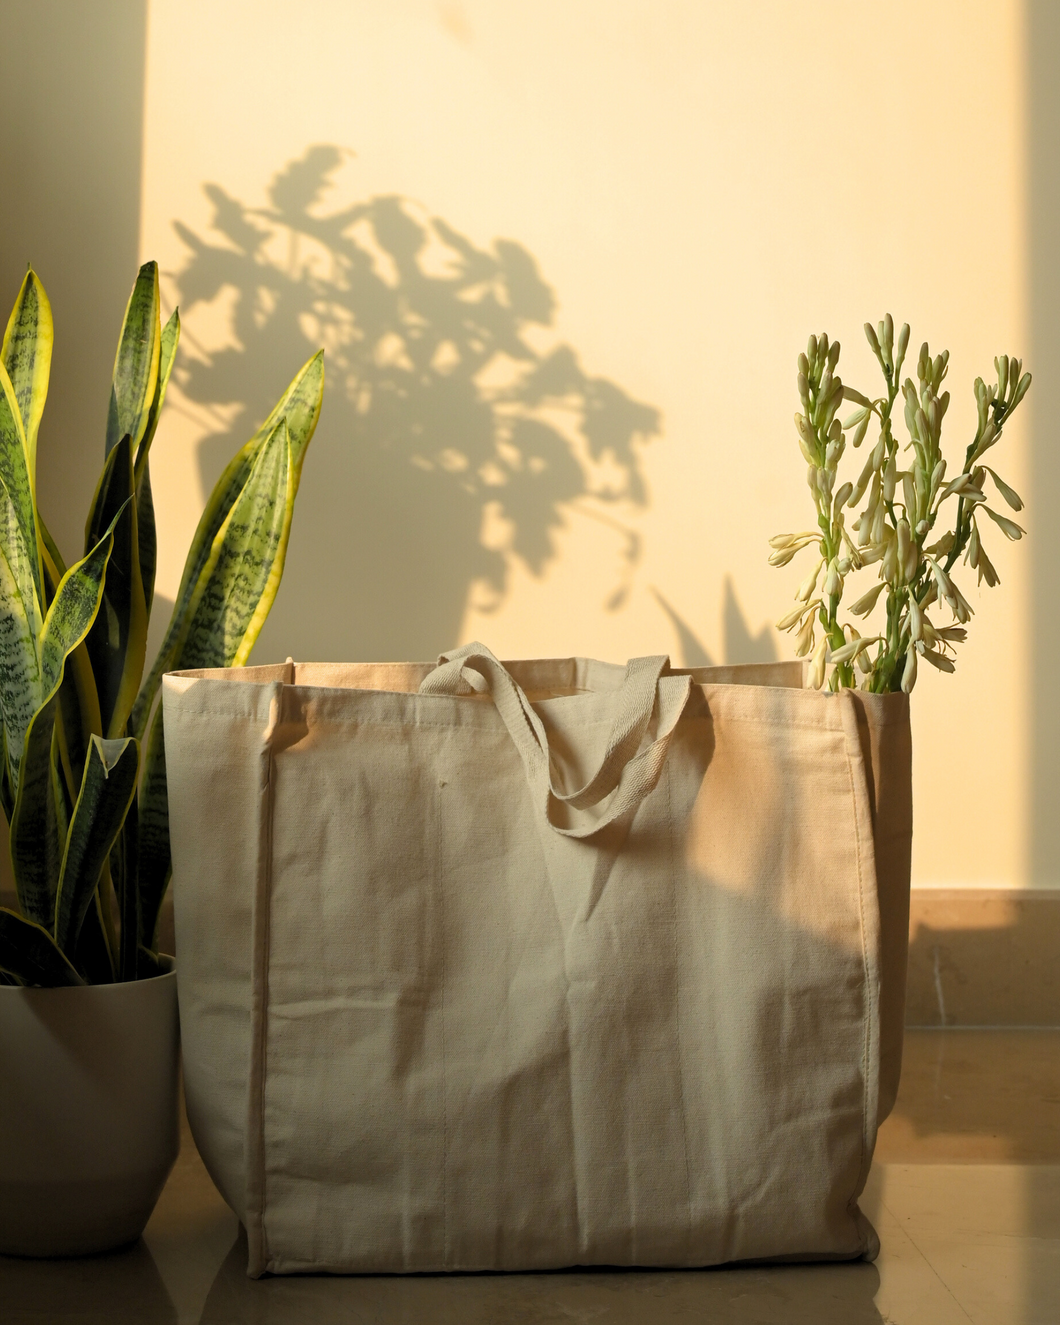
107 789
7 791
167 354
33 821
136 362
21 686
79 715
145 506
237 589
148 541
27 356
94 955
29 953
74 609
300 405
117 642
79 718
17 477
36 851
154 864
129 895
239 582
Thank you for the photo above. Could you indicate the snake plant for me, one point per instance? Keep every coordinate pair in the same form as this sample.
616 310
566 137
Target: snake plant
82 768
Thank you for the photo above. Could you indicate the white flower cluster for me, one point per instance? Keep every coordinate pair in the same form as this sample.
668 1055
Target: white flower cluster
897 521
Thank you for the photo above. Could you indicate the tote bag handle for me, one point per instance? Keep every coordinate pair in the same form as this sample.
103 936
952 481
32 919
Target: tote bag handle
625 770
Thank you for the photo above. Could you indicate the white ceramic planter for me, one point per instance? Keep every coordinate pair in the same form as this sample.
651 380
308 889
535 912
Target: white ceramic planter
89 1127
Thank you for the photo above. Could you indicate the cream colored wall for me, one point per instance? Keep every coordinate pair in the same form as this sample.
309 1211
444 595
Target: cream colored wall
701 185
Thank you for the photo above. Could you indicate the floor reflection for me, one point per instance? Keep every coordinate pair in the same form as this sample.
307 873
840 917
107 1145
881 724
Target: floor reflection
788 1295
118 1288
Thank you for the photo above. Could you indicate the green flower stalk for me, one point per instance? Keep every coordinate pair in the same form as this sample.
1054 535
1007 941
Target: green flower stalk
905 491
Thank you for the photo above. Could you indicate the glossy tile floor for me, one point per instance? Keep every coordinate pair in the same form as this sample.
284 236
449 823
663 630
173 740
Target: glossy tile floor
965 1194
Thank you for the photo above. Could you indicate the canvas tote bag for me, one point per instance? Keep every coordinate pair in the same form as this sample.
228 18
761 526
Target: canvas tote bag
525 965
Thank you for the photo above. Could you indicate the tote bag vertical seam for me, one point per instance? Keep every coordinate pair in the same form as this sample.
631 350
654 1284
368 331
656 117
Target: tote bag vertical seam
871 996
255 1137
439 858
677 1010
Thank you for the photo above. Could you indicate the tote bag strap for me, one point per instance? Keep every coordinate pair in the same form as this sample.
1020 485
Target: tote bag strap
625 770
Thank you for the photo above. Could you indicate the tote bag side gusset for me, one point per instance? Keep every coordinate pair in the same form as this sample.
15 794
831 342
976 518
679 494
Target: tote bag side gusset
214 741
886 745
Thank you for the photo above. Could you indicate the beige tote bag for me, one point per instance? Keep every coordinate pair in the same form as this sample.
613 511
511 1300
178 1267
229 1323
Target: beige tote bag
512 966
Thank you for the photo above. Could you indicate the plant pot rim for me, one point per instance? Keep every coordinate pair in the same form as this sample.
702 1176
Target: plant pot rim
170 974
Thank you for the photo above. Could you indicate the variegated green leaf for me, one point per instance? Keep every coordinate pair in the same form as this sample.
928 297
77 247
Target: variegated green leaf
74 609
94 955
148 542
21 683
118 638
7 791
79 716
128 848
239 581
300 404
36 851
16 475
27 356
29 953
154 859
167 354
136 362
107 789
238 586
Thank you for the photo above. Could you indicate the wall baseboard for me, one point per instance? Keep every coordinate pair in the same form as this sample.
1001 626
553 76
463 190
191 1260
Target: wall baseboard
984 957
977 956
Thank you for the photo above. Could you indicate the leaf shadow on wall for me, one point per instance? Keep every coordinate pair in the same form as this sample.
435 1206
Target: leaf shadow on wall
456 427
739 643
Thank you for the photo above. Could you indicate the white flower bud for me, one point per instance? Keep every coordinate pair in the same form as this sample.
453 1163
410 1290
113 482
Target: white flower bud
937 475
1008 527
903 345
909 674
956 485
971 552
879 523
870 336
867 601
833 581
1013 498
889 568
843 495
804 642
1021 390
890 478
916 619
817 664
809 584
903 545
909 495
1002 376
938 660
796 614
